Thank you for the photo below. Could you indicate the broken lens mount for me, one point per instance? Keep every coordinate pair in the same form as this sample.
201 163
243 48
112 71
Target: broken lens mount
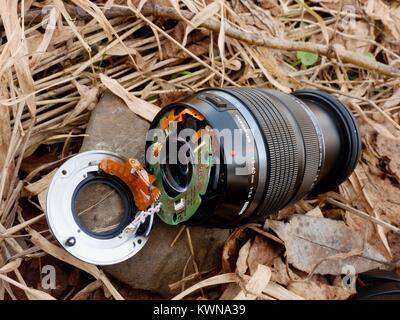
78 202
224 157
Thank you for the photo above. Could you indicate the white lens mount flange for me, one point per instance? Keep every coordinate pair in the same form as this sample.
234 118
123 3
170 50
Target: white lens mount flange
63 223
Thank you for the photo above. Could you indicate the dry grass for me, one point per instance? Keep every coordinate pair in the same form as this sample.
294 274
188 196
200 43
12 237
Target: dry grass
57 57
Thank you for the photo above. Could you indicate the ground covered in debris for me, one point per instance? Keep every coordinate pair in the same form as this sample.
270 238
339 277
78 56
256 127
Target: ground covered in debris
58 57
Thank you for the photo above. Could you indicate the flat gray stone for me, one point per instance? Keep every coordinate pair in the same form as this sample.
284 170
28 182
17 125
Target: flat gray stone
113 127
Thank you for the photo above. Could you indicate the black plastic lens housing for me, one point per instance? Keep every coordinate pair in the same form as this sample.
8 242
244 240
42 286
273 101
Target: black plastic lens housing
304 143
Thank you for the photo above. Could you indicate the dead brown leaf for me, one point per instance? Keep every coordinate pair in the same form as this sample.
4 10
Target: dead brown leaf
388 14
262 251
256 284
141 107
379 194
167 98
41 185
271 5
311 241
196 43
46 39
387 147
88 100
279 272
241 263
19 51
63 255
231 248
319 291
203 15
359 36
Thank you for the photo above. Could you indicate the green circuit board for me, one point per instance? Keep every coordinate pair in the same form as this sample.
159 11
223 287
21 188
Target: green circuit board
179 208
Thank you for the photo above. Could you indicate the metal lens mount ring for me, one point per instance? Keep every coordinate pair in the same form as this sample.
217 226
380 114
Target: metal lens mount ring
100 249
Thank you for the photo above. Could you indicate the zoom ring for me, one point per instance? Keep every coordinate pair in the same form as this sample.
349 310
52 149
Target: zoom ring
281 146
290 173
312 163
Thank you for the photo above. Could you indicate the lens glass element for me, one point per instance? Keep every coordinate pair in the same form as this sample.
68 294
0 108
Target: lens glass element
176 171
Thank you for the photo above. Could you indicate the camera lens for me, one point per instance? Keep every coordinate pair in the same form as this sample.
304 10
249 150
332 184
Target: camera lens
176 174
253 152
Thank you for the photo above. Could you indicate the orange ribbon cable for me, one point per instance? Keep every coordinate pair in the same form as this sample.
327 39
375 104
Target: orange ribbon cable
137 179
179 117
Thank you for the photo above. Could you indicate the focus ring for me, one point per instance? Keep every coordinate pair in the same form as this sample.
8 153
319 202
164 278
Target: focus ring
293 166
313 156
281 148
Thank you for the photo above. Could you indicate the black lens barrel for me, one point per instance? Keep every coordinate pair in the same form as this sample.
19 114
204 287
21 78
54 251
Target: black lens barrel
305 143
341 134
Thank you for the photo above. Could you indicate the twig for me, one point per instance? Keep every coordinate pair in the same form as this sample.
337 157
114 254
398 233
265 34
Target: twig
266 234
177 236
363 215
258 39
195 266
21 226
372 103
63 255
85 292
40 295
